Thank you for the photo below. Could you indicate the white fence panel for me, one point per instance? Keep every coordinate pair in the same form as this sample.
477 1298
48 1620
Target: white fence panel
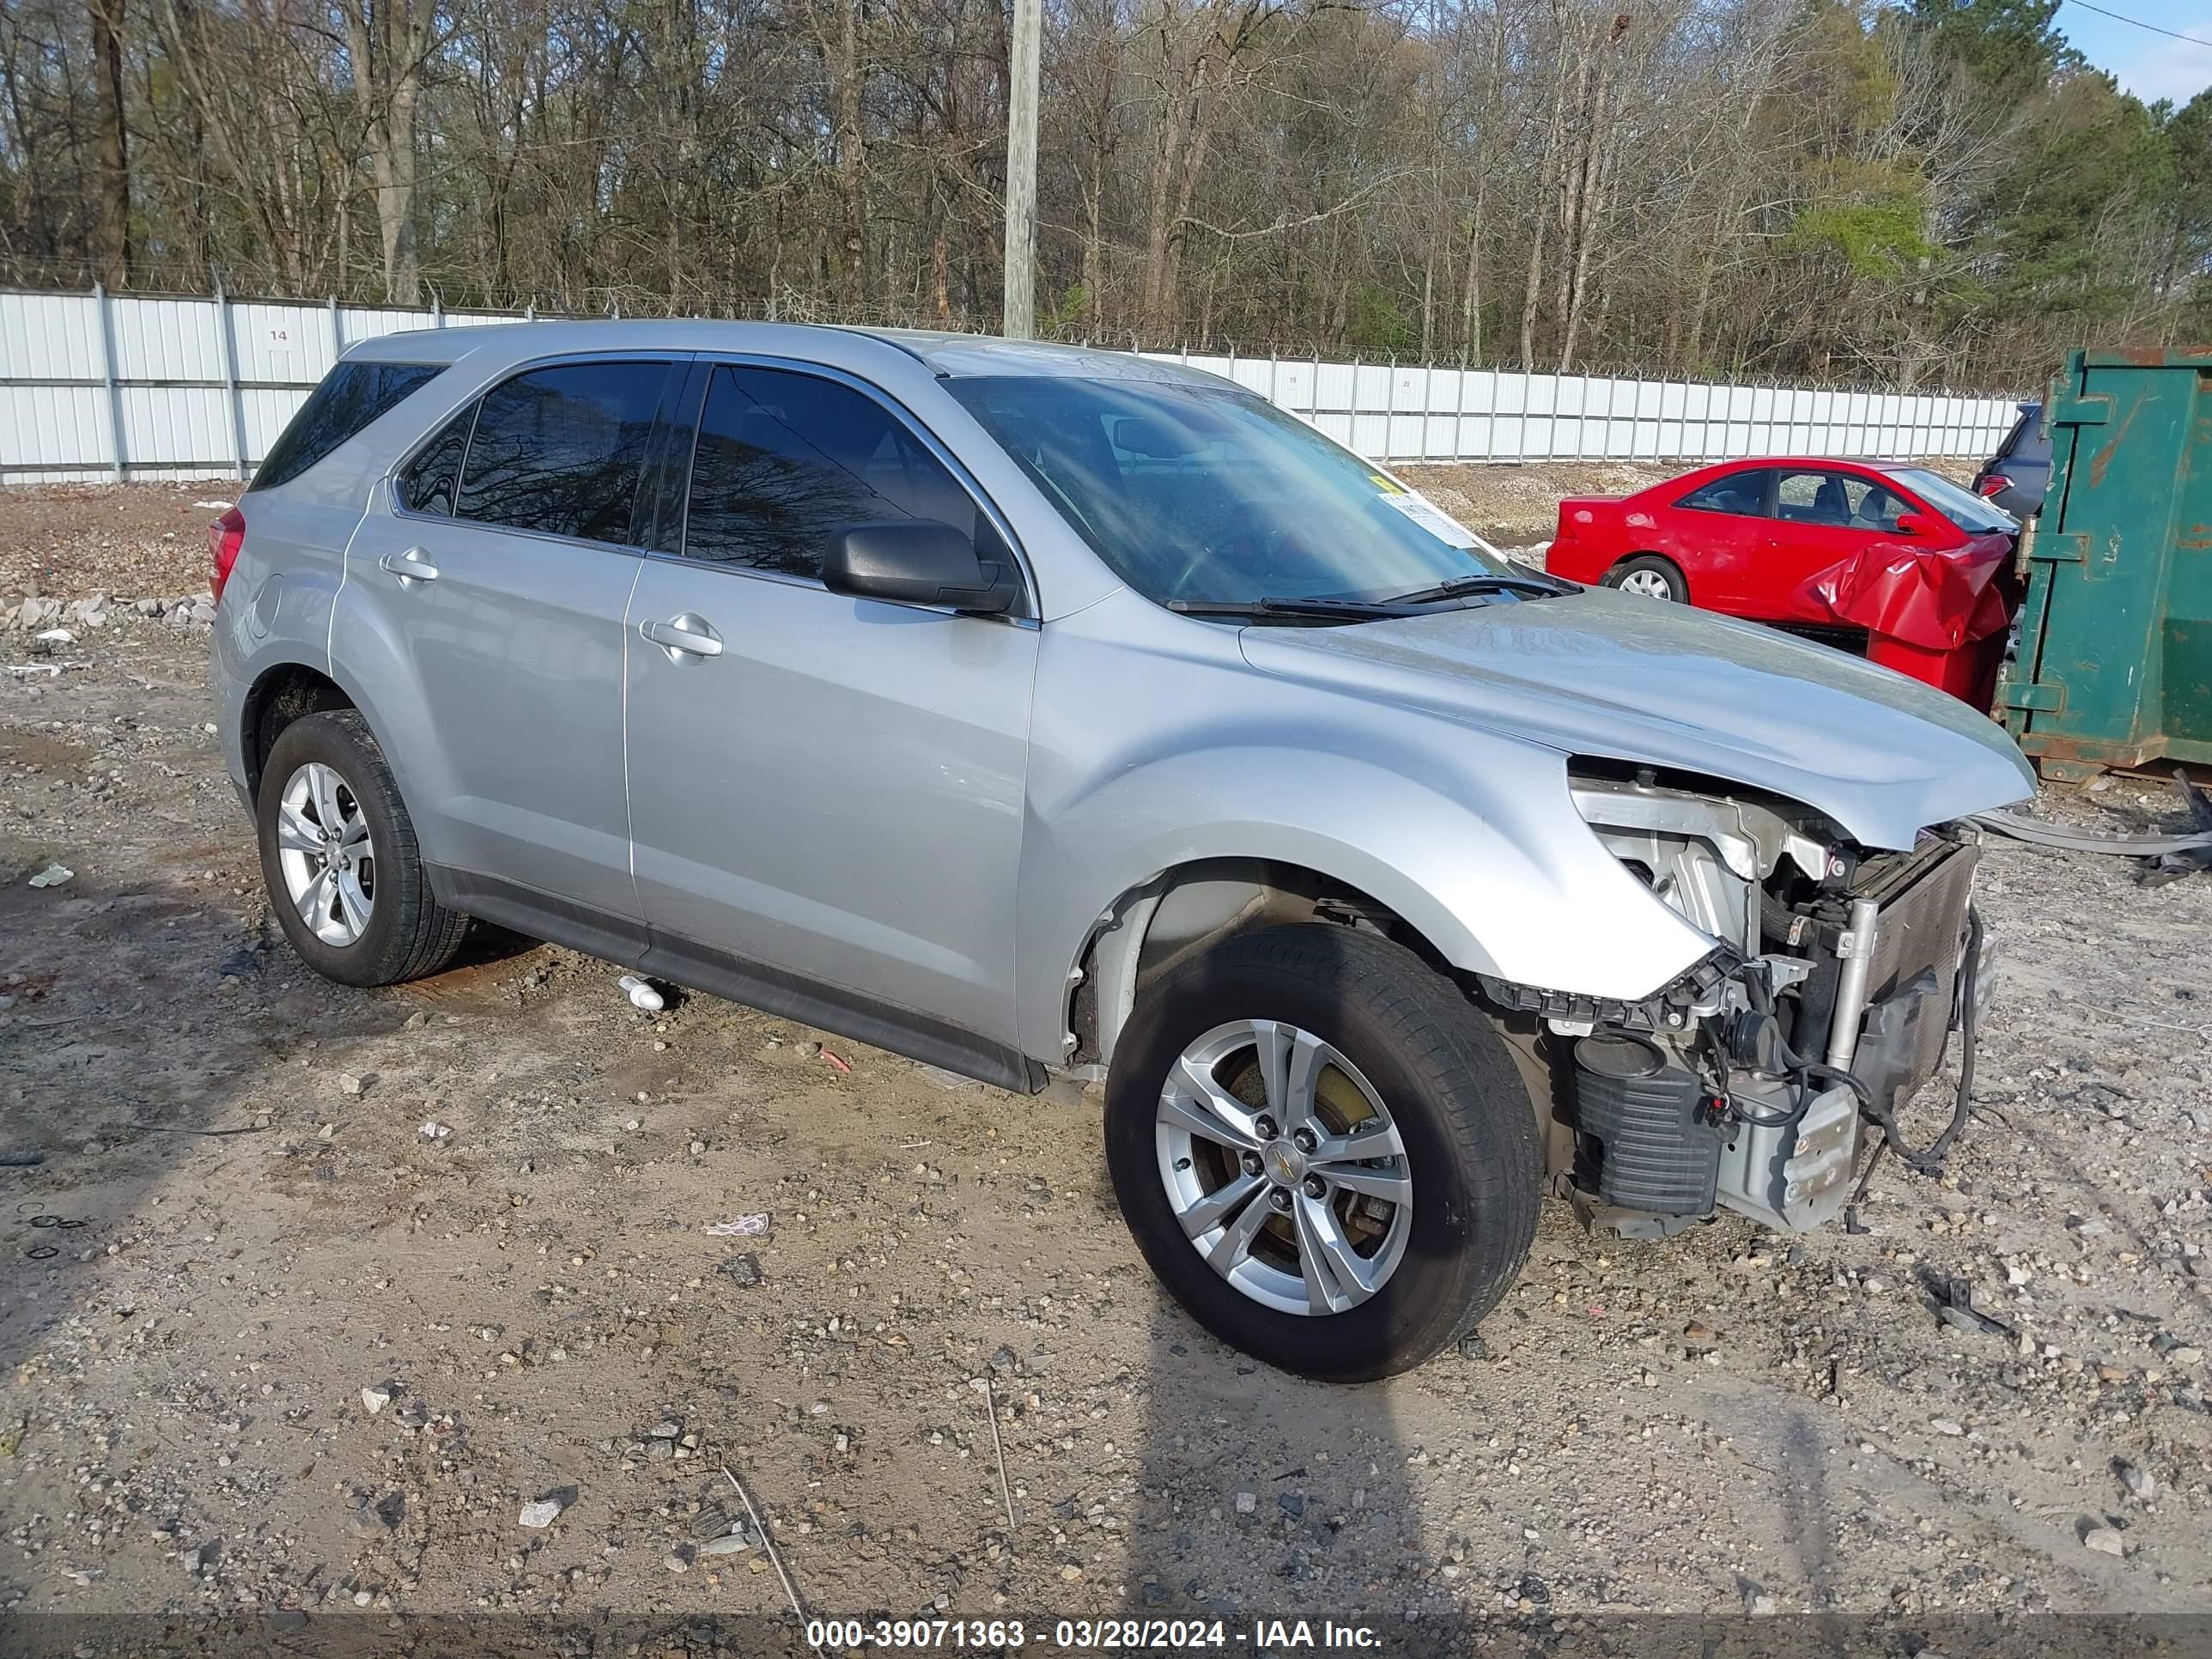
48 337
95 385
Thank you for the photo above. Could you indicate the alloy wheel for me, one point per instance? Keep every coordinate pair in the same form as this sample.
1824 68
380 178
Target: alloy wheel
326 854
1647 584
1284 1167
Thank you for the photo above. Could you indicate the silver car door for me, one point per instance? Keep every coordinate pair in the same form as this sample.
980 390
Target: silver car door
483 614
826 793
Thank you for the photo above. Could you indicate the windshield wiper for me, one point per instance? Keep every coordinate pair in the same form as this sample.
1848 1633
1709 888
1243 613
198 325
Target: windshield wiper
1483 582
1332 609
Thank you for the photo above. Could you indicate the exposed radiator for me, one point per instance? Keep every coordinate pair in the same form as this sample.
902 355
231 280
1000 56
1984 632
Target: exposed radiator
1913 981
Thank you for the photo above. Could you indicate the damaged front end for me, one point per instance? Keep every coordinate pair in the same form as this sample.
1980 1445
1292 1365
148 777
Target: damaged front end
1750 1082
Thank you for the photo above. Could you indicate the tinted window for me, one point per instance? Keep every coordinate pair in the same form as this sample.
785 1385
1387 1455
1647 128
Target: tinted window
559 450
349 398
785 459
1739 492
428 484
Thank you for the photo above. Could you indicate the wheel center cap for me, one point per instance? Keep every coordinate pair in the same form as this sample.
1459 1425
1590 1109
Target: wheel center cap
1284 1162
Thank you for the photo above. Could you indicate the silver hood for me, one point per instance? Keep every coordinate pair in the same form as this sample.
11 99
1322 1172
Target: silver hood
1602 673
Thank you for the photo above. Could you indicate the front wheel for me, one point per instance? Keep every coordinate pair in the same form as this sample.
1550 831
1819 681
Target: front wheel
1325 1151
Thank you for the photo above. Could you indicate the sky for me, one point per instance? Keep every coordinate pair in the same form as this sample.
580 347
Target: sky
2151 66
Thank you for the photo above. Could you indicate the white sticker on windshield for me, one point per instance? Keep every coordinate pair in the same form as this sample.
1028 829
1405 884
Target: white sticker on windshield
1431 517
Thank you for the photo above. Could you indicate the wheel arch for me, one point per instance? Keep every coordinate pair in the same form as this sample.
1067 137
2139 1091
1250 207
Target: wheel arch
1465 846
1169 916
281 693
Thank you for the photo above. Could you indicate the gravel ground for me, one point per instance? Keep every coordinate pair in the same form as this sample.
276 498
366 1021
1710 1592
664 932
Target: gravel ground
129 539
352 1289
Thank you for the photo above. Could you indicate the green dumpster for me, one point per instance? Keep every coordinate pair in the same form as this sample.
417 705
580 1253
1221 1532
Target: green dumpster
2114 666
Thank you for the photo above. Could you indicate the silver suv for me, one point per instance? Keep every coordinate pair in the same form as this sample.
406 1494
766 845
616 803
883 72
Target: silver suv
1050 713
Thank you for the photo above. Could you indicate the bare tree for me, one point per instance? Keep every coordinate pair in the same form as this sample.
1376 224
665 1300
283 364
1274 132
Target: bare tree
1783 186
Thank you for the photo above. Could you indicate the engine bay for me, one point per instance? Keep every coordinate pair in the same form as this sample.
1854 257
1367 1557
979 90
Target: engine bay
1756 1081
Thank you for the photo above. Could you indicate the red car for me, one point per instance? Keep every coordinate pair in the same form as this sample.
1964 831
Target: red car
1916 565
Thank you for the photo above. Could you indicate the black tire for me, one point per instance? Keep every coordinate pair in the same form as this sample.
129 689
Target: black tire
1651 564
1449 1083
408 934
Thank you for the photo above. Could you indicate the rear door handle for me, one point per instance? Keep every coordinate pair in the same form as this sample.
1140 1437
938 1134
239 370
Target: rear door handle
410 567
688 635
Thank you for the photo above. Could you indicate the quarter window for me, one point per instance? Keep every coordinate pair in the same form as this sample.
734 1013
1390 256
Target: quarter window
1743 493
349 398
785 460
559 450
431 478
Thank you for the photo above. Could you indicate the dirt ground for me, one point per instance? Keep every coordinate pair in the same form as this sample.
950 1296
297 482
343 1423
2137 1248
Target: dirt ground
139 539
310 1292
1517 504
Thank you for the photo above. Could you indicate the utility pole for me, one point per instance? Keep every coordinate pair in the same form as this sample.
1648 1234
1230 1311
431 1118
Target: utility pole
1021 170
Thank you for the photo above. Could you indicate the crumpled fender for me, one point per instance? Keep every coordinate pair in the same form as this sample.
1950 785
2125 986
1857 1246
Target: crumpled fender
1936 600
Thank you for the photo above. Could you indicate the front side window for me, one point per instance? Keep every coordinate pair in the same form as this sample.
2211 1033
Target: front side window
1873 507
1820 498
1842 500
784 460
1212 496
1741 493
349 398
1961 506
559 450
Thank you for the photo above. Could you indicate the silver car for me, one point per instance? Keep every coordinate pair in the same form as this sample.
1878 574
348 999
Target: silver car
1050 713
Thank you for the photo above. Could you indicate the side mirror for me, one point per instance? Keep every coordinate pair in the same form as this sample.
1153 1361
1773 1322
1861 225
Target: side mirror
1913 523
917 562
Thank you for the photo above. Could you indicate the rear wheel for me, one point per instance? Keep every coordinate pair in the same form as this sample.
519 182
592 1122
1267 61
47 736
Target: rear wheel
339 858
1325 1152
1649 577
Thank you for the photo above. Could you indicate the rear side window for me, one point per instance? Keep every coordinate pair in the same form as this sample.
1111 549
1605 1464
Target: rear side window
434 476
785 459
349 398
1739 492
559 450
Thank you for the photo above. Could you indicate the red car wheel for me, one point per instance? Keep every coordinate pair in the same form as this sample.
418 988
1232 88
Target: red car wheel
1649 577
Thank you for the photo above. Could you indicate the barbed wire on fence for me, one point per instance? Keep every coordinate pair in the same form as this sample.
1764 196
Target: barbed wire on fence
183 280
132 385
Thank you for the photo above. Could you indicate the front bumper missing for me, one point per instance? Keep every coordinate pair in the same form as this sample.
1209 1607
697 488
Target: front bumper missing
1669 1009
1879 996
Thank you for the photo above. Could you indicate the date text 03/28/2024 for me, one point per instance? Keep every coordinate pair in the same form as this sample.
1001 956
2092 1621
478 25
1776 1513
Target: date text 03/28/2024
1093 1634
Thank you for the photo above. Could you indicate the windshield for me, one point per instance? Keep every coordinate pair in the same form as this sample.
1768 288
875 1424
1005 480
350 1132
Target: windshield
1961 506
1204 496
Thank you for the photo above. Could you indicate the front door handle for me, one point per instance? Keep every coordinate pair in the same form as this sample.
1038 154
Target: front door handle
410 567
688 635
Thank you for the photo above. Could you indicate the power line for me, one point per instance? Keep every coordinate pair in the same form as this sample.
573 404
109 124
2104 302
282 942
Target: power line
2137 22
